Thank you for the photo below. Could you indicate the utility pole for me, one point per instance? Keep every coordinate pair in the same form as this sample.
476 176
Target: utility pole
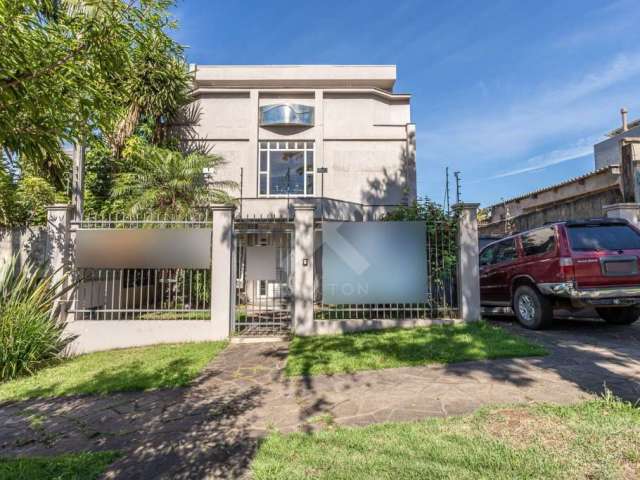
457 175
446 190
77 180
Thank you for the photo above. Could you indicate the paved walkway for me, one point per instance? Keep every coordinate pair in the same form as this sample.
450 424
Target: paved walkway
211 430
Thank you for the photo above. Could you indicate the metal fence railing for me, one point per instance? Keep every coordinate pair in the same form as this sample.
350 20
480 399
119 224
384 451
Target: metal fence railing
141 293
441 300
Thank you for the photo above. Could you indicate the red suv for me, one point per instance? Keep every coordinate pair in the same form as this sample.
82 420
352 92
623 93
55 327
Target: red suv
569 265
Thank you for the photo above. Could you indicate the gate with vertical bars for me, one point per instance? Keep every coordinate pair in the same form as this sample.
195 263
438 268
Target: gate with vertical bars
142 269
264 278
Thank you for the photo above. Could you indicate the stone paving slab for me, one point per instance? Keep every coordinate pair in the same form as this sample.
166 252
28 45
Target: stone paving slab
212 429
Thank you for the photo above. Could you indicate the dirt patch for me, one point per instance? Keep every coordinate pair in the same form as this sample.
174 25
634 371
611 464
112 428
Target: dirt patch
522 429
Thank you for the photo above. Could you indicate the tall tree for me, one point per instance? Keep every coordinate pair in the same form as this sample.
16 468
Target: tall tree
73 67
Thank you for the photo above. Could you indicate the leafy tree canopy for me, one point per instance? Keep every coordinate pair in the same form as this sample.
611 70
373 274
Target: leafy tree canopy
73 67
167 182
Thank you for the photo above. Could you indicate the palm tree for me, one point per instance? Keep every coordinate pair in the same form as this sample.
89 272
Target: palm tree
170 183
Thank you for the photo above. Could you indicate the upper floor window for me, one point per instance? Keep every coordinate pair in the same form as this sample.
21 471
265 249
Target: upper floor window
285 168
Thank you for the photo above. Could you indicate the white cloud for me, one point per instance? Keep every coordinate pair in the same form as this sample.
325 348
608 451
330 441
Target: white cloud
584 148
513 129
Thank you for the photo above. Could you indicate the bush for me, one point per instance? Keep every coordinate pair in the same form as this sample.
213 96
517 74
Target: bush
31 337
33 194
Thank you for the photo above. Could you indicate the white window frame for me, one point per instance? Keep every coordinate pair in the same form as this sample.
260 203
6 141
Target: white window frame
269 146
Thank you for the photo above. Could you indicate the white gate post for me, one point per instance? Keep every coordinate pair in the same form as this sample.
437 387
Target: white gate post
627 211
58 244
303 269
222 278
468 261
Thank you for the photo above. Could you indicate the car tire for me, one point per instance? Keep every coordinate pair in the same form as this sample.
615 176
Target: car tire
620 315
533 310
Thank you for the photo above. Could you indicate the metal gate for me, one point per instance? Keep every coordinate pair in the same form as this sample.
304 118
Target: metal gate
264 280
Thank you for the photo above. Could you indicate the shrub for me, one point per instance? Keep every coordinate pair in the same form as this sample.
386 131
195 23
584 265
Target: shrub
31 337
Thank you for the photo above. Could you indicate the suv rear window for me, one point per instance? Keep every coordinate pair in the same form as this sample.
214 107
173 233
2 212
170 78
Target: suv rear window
505 251
603 237
539 241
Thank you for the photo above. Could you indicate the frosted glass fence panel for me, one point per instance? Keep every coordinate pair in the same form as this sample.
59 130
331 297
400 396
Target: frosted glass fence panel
187 248
374 262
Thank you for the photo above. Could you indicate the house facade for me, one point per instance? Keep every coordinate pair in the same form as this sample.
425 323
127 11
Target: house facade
336 136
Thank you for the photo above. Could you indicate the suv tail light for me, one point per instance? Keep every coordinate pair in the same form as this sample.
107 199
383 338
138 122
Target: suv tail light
566 268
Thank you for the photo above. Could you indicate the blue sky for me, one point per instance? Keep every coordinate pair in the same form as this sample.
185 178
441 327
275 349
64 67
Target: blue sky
511 93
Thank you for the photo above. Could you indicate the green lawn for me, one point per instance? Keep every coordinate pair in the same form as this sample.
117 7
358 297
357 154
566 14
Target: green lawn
404 347
597 439
177 315
145 368
78 466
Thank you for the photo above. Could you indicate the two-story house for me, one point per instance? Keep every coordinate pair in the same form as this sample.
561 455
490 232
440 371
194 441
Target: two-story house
336 137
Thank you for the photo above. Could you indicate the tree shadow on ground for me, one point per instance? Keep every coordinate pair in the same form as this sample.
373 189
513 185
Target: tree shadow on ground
588 353
399 348
204 431
123 378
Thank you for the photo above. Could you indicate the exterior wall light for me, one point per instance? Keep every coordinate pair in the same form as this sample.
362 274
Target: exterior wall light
286 114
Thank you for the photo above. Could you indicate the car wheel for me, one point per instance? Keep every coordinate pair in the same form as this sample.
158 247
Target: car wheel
619 316
532 309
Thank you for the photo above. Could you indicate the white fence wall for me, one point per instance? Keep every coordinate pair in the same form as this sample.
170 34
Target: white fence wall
30 243
95 335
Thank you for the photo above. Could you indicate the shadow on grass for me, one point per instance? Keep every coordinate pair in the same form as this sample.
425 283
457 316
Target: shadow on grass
201 432
135 369
79 466
124 378
396 348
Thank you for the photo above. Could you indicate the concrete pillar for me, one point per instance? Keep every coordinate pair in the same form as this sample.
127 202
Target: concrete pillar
222 272
303 269
58 248
468 261
628 211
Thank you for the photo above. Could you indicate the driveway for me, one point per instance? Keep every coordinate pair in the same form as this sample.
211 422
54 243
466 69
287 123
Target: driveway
212 429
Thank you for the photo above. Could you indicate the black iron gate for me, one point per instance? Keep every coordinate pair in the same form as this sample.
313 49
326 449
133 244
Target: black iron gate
264 280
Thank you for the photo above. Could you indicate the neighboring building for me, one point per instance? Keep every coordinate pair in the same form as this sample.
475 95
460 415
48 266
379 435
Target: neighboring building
608 152
335 136
614 181
577 198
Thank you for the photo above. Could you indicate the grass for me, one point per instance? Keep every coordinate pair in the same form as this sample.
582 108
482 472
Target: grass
144 368
78 466
597 439
404 347
177 315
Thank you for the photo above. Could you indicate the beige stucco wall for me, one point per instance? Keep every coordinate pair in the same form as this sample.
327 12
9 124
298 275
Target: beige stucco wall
361 135
223 116
368 172
607 152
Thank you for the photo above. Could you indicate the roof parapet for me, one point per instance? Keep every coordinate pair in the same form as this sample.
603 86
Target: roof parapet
300 76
